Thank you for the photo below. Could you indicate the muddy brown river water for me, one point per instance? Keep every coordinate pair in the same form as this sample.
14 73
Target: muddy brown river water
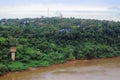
101 69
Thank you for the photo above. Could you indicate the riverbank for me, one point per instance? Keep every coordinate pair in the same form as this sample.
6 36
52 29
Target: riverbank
78 69
63 65
46 41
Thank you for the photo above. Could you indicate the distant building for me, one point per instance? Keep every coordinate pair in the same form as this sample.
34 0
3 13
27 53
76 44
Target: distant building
58 14
2 23
26 22
42 17
65 30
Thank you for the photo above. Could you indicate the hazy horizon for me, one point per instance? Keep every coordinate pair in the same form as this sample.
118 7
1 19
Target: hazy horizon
38 8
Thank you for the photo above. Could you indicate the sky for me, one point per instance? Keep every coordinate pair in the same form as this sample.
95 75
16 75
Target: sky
22 7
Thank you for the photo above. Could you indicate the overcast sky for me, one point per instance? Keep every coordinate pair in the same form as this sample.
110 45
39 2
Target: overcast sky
21 6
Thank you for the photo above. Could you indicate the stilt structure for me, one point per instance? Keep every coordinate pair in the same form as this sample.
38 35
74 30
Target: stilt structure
13 50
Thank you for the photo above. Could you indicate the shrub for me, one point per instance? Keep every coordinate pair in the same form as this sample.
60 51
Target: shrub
16 66
3 69
38 63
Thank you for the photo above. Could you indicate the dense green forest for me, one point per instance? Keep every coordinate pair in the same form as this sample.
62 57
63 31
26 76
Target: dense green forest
46 41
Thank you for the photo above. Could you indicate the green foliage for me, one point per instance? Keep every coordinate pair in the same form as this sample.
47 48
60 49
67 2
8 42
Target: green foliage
56 58
68 52
45 41
3 69
16 66
38 63
91 50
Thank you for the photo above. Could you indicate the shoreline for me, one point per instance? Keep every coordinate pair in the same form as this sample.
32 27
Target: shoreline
57 66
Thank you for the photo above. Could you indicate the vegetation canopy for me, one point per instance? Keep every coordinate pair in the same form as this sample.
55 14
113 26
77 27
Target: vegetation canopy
46 41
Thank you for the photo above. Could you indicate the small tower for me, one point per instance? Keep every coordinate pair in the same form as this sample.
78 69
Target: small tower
13 50
48 12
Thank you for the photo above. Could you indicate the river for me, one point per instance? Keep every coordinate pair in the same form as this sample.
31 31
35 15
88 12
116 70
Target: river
100 69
